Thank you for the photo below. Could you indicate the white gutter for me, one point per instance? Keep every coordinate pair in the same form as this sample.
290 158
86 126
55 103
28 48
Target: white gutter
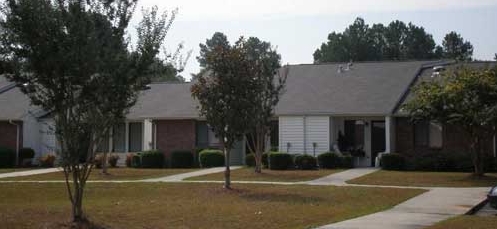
17 140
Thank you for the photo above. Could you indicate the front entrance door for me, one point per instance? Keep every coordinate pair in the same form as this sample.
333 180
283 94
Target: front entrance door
377 139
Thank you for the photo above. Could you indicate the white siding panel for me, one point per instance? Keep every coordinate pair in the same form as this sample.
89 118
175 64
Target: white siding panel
48 139
291 130
317 131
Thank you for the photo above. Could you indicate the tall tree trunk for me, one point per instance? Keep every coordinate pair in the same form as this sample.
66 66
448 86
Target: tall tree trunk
227 178
104 163
477 157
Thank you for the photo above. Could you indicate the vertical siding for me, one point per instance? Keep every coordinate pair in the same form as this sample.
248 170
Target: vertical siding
317 130
291 131
48 139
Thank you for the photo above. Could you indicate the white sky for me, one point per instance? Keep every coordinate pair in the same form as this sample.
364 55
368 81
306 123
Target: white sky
297 27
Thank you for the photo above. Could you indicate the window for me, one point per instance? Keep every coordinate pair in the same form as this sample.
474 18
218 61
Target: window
428 134
135 136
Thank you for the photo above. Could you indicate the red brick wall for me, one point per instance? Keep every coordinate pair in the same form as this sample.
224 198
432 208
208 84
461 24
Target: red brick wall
453 139
175 135
8 135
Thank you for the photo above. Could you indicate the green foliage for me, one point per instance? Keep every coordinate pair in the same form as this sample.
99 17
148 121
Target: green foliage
136 160
466 98
305 162
152 159
181 159
47 161
455 47
361 42
7 158
113 159
211 158
392 161
329 160
250 160
347 162
265 160
26 153
218 41
280 161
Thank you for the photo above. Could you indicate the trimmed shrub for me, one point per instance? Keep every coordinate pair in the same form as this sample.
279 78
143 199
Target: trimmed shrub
347 162
181 159
113 159
250 160
211 158
129 159
47 160
265 160
392 161
305 162
136 161
7 158
152 159
329 160
280 161
98 160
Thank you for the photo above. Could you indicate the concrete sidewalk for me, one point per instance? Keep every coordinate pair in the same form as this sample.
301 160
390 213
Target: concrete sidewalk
339 179
182 176
29 172
419 212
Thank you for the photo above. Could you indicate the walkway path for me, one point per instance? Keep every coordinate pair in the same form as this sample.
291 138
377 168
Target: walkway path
182 176
29 172
421 211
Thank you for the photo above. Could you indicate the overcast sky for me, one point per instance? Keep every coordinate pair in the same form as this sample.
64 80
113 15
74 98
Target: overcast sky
298 27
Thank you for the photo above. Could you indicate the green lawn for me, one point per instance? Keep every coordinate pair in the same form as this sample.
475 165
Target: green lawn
426 179
11 170
114 174
467 221
248 174
194 205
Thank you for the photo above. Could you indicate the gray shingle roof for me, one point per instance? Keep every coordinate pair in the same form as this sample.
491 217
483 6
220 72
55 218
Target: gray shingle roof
165 101
368 88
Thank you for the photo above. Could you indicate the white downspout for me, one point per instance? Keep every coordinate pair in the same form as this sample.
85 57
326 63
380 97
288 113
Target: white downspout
17 140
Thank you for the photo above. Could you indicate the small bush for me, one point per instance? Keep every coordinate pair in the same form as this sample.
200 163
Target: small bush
113 159
152 159
26 153
181 159
280 161
392 161
211 158
136 161
250 160
265 160
7 158
98 161
329 160
129 159
305 162
347 162
47 160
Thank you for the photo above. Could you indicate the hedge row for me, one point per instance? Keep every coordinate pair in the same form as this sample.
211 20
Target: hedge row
439 162
280 161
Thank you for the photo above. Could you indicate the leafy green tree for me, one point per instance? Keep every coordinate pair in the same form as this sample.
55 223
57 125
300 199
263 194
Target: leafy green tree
465 98
268 83
71 58
217 40
418 44
226 95
395 34
455 47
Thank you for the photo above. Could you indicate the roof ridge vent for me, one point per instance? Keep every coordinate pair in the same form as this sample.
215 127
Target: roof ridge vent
340 69
437 70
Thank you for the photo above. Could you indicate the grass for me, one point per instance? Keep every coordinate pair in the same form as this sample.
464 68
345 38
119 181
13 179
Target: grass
467 221
114 174
194 205
247 174
426 179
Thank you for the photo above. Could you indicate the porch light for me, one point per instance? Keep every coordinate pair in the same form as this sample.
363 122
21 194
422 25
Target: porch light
492 197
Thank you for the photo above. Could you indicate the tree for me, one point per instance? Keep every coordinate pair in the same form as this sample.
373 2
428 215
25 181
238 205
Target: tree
455 47
465 98
71 58
418 45
226 95
268 83
217 40
495 57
